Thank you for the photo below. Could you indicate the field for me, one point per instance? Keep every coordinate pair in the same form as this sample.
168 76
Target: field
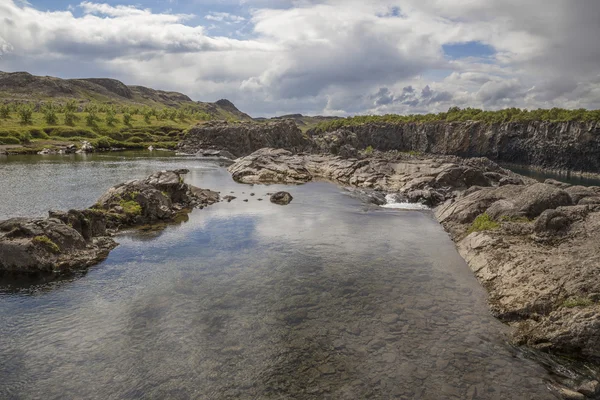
23 130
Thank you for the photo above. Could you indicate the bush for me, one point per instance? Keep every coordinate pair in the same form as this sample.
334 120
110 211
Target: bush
38 134
65 132
127 119
135 139
369 150
50 116
91 119
9 140
483 223
4 111
111 119
25 115
70 118
104 143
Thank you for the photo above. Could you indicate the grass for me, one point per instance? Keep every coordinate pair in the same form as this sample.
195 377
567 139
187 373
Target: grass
573 302
483 223
131 207
369 150
137 135
456 114
46 242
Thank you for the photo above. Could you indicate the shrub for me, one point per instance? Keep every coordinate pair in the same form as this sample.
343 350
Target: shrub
38 134
70 132
103 143
25 115
369 150
135 139
9 140
4 111
46 242
91 119
50 116
111 119
483 223
127 119
70 118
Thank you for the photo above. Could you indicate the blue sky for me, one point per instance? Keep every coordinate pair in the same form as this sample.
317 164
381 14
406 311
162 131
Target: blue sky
331 57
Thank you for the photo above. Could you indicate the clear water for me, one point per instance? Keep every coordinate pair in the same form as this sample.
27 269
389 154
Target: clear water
543 175
326 298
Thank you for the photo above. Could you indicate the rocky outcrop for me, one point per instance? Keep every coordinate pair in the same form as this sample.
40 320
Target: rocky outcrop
81 238
532 245
568 146
425 179
241 139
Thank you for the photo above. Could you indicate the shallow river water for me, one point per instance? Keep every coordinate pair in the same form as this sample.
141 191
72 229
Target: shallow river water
326 298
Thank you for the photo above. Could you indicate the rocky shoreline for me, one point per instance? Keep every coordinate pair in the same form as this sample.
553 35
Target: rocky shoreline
81 238
532 245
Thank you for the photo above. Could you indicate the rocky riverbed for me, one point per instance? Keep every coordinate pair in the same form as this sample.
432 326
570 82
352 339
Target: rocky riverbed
532 245
81 238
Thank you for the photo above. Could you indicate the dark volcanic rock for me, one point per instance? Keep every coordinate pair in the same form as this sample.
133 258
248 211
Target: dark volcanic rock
47 245
281 198
241 139
563 146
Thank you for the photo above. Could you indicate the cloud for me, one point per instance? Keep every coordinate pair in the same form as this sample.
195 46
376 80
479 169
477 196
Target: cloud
324 56
224 17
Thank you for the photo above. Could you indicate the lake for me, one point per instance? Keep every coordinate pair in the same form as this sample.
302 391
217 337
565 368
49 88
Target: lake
326 298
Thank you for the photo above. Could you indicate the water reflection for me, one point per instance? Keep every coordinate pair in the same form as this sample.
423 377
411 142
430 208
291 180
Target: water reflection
323 298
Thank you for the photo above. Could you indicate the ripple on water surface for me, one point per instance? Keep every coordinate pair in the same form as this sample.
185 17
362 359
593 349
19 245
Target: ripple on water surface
324 298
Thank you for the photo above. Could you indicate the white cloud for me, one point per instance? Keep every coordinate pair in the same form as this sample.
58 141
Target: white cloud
329 56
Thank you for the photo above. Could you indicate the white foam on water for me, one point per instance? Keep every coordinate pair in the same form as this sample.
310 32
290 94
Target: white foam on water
392 203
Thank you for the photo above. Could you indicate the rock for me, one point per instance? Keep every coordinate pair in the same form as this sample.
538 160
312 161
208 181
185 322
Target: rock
281 198
86 147
326 369
539 197
151 148
29 246
212 153
229 198
241 139
551 221
80 238
579 193
569 394
589 388
558 184
389 318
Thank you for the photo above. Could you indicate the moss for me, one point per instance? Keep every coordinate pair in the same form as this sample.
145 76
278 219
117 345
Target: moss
46 242
576 301
483 223
131 207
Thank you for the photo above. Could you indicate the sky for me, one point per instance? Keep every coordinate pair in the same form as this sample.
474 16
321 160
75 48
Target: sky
320 57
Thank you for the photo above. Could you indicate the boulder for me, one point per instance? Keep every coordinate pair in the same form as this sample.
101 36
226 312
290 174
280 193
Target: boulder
281 198
551 221
29 246
537 198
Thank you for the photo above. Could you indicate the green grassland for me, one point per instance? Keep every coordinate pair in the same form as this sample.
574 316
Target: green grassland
456 114
28 129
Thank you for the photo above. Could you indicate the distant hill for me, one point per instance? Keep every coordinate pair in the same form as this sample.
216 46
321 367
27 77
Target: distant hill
23 86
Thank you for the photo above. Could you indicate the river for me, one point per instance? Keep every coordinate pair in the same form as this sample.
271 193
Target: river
326 298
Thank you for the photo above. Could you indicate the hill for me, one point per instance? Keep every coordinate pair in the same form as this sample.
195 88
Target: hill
25 87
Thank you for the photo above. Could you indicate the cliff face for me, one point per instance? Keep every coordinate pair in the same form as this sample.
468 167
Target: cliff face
573 146
241 139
